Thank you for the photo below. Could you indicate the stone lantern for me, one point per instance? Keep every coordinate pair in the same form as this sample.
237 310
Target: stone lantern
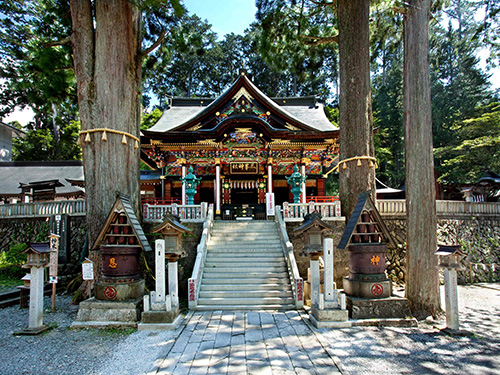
449 257
191 182
325 308
161 310
37 260
295 181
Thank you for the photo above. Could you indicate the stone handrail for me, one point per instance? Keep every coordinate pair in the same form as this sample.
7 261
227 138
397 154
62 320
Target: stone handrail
297 281
201 252
297 211
195 213
397 207
43 209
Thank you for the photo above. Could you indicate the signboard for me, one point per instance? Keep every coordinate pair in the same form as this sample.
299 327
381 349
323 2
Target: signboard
88 269
244 168
60 225
270 204
52 279
53 255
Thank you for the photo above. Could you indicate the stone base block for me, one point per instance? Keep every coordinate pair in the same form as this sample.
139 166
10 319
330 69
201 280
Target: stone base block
368 289
330 314
160 326
159 316
329 318
93 312
328 324
33 331
378 308
119 291
392 322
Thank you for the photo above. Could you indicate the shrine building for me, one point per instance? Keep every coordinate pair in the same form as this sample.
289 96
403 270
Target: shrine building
242 145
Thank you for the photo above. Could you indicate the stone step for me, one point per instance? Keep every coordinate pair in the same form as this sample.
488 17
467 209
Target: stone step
218 273
232 258
235 286
246 301
243 238
282 280
244 268
227 294
245 272
243 247
244 307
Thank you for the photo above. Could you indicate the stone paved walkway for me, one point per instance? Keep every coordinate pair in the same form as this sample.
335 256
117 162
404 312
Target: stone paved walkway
246 343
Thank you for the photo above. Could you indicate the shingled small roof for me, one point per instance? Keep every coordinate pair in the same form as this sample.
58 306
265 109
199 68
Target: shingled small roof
123 206
364 202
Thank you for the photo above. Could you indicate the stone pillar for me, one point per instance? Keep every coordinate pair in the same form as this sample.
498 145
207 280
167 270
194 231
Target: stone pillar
217 186
183 193
331 296
173 287
36 299
303 187
315 278
451 298
160 270
270 175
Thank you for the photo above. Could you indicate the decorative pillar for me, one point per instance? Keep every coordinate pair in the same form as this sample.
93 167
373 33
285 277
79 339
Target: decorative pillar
183 193
217 186
304 162
270 175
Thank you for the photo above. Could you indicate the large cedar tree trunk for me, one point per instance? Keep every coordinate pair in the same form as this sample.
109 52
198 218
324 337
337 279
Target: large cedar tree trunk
106 44
355 105
422 284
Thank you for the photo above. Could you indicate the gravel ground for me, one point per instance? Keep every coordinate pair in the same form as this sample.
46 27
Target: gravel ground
362 350
426 350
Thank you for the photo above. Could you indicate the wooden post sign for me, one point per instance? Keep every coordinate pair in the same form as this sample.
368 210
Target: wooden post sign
53 258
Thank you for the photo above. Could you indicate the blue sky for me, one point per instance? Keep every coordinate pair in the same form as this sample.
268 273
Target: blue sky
225 16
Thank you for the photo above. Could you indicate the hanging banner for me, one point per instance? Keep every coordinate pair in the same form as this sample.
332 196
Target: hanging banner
270 204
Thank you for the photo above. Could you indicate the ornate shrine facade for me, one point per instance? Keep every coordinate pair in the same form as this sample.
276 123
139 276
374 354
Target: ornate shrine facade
242 144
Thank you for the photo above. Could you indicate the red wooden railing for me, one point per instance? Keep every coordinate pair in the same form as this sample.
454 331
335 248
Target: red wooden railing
322 199
160 201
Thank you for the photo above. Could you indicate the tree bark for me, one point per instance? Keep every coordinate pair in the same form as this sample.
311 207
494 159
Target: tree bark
355 105
422 284
107 63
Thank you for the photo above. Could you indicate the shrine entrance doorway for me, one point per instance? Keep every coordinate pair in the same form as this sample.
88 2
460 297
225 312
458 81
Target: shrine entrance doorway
244 196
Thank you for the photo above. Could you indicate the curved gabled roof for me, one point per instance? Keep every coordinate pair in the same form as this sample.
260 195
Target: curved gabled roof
301 113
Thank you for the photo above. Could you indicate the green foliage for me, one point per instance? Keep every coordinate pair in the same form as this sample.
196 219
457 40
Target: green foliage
477 147
149 119
15 255
41 144
332 113
288 39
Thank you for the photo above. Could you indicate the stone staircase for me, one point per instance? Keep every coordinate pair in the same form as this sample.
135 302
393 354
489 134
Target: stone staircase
245 268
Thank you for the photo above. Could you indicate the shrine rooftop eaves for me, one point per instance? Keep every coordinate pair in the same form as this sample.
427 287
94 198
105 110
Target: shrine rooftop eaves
241 102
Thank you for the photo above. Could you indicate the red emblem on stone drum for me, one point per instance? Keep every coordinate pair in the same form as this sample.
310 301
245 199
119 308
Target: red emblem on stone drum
377 290
110 292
